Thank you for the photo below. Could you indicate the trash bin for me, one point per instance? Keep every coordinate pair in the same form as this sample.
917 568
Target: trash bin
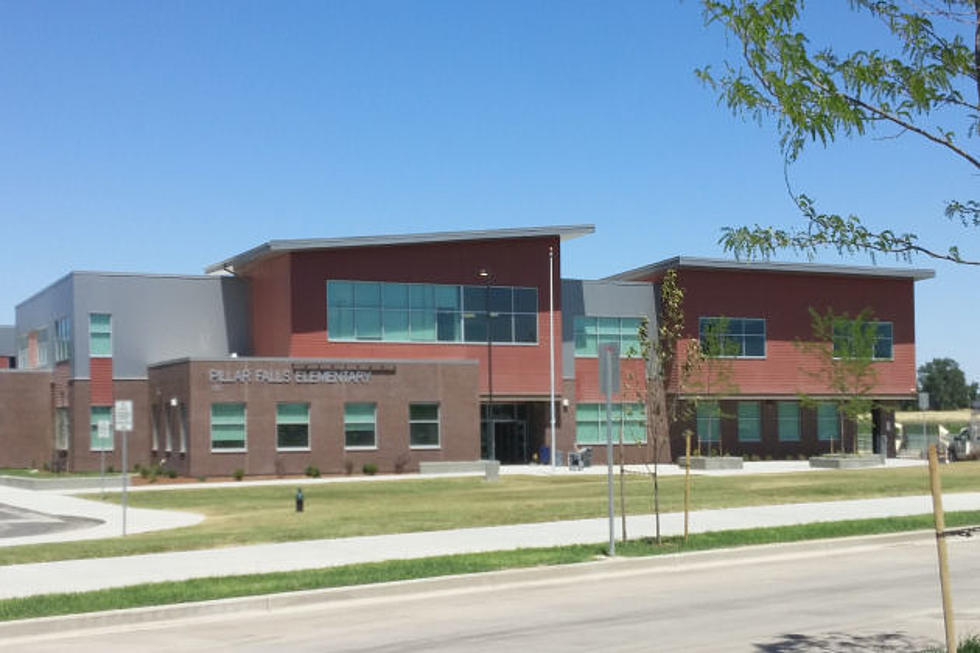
574 460
544 455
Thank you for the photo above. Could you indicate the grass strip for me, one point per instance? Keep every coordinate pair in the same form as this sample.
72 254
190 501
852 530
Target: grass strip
239 516
204 589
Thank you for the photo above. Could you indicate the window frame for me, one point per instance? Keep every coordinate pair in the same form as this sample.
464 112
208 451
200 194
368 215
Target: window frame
244 447
419 312
780 420
437 421
621 419
309 430
824 405
108 332
93 430
374 423
580 326
703 319
715 415
874 343
747 420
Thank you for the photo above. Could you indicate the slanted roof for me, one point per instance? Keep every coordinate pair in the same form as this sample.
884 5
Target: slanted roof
694 262
565 232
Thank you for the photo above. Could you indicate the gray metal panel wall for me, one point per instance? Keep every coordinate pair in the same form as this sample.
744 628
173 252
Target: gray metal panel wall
601 298
8 340
157 318
42 309
154 317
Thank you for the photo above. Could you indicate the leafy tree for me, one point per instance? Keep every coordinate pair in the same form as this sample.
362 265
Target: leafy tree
844 349
926 81
946 384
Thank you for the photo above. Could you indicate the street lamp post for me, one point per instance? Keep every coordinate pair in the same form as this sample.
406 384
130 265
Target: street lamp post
484 274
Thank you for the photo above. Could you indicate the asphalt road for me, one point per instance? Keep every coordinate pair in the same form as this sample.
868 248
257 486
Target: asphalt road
870 596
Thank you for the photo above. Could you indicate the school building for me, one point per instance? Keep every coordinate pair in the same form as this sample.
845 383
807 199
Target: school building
402 349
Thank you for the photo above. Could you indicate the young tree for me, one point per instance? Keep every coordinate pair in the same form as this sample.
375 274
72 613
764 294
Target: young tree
946 384
712 375
927 80
844 348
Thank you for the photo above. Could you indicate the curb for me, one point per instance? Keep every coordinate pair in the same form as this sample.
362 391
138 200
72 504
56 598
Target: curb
45 627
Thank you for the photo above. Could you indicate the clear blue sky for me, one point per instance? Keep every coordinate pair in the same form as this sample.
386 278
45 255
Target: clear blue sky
165 136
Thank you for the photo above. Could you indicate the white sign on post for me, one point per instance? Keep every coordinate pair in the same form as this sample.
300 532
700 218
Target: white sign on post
124 415
923 401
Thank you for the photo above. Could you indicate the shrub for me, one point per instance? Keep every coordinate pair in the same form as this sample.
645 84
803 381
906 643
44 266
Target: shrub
239 474
370 469
172 473
313 471
349 467
202 479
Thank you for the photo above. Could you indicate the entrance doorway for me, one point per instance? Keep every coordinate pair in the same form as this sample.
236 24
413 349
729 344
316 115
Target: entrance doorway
510 426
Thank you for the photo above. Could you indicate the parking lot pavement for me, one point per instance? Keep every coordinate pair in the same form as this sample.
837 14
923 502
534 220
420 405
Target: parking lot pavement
21 522
31 517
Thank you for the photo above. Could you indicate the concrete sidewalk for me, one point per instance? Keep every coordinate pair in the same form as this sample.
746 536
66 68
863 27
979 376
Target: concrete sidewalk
86 575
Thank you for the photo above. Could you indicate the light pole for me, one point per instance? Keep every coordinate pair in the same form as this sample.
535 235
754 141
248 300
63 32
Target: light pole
484 274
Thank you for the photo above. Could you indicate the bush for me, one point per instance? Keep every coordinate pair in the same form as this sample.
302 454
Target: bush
110 470
313 471
172 473
239 474
370 469
349 467
144 472
202 479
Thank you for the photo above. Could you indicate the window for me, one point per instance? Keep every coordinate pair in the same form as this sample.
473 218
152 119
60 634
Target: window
227 427
99 335
828 426
590 423
749 422
709 422
23 352
421 312
788 421
739 337
423 426
590 332
293 426
43 350
359 426
849 343
62 340
100 414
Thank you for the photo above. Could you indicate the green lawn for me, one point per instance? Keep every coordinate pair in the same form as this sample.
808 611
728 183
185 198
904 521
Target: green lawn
249 515
202 589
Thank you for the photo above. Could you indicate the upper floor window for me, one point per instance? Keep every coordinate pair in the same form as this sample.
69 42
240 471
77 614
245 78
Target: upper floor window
100 334
734 337
590 332
62 340
43 348
423 312
854 339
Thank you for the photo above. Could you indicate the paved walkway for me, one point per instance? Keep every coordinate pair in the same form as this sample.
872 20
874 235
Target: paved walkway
105 517
85 575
